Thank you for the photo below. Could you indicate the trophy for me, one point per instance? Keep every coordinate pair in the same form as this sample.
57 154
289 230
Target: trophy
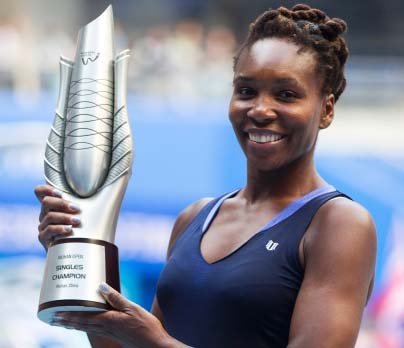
88 158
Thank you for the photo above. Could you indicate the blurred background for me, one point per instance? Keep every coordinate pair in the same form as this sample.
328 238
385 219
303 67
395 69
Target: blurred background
179 86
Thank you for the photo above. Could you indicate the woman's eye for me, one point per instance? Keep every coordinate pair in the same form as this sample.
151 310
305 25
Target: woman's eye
287 95
246 91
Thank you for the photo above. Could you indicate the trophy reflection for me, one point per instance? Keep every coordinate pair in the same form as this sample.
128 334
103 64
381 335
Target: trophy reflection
88 157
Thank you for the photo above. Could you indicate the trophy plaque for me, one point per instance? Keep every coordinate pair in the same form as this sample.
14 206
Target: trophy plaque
88 158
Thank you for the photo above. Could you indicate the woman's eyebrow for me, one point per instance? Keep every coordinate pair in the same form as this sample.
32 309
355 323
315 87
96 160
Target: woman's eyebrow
241 78
286 80
277 81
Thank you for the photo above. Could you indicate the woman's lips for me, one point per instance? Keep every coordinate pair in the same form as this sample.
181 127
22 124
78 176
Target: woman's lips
262 136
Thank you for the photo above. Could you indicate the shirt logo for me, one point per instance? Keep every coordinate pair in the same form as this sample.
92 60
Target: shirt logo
271 245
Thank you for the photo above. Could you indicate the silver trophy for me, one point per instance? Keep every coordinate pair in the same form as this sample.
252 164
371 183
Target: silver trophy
88 157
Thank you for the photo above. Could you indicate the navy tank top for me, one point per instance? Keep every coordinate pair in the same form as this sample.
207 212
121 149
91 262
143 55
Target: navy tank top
247 298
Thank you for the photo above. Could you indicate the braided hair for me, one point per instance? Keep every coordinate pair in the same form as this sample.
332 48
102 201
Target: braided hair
309 28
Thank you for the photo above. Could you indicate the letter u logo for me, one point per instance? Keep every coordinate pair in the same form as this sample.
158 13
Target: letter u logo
271 245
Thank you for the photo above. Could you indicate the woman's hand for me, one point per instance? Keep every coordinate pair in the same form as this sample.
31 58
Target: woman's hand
57 215
128 323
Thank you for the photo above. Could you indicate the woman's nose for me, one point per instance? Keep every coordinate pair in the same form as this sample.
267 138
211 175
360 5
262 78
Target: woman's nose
262 110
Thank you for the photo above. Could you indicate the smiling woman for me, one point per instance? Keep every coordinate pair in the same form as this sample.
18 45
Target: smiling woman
277 108
287 260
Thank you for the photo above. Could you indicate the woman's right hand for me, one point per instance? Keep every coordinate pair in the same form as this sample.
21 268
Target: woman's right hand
57 216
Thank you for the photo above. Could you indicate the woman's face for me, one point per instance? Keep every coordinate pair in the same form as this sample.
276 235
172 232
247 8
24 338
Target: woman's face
277 108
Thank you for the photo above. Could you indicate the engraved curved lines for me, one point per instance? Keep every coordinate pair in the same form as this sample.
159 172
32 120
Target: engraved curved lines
56 132
59 127
57 167
91 132
91 118
51 166
60 186
84 145
55 139
84 80
119 126
59 115
86 92
117 112
53 154
120 164
112 179
120 142
49 146
128 152
116 128
90 105
53 172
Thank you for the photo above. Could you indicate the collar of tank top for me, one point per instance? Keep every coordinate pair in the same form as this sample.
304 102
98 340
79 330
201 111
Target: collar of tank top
285 213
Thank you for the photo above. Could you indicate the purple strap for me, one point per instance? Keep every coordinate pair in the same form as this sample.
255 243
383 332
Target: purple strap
284 214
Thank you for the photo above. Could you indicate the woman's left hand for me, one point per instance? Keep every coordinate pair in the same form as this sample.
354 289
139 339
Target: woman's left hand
128 323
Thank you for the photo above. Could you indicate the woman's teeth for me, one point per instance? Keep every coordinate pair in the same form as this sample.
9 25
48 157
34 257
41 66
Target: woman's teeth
264 138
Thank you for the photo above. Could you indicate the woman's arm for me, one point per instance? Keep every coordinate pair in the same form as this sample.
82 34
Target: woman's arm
100 342
340 253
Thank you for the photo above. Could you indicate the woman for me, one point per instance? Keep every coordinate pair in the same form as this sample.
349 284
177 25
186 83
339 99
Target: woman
285 261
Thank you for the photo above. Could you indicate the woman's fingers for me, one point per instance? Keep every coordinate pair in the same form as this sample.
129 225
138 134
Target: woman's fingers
116 300
41 191
50 232
57 215
57 218
56 204
94 323
56 224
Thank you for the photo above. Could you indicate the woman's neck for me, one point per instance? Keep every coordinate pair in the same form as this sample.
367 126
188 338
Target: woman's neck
287 183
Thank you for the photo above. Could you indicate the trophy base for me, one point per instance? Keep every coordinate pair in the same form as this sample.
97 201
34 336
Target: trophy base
47 311
74 269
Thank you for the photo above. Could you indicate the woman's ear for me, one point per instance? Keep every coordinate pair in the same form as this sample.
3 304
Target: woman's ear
328 111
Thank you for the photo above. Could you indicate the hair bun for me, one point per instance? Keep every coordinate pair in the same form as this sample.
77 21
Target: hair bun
271 14
301 14
267 16
285 12
342 24
320 15
332 28
301 7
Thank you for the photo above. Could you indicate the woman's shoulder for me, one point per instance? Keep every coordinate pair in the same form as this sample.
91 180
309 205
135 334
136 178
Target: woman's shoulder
341 226
343 211
184 218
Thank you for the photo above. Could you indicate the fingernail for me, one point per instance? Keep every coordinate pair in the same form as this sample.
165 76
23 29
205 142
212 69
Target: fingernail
103 288
73 206
57 193
76 220
68 228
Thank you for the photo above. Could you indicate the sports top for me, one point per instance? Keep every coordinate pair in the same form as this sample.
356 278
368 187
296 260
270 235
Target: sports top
245 299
